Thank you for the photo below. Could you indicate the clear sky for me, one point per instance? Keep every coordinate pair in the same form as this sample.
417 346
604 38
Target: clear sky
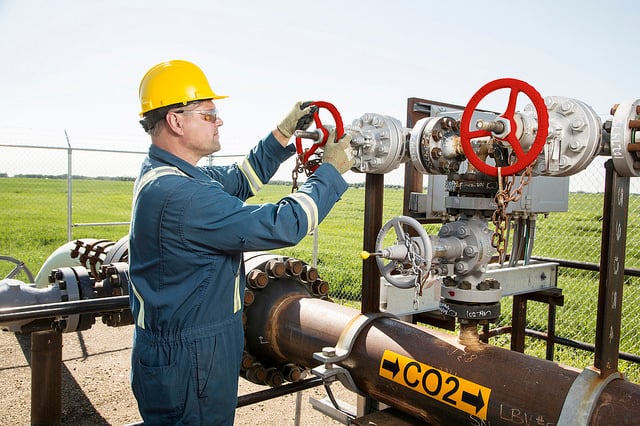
76 65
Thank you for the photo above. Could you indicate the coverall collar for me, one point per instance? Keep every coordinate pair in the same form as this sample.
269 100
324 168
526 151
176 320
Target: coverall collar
158 154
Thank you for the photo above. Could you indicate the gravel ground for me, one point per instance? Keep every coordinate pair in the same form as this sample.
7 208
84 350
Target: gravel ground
96 391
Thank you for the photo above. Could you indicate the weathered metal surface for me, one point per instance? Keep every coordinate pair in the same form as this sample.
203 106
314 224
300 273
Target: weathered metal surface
373 207
520 386
612 260
46 378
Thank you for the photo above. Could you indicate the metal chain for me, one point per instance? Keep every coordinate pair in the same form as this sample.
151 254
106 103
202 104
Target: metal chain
418 269
294 174
301 167
503 197
417 292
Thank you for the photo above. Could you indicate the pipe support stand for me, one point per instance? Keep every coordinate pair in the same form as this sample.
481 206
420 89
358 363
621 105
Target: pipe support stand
583 396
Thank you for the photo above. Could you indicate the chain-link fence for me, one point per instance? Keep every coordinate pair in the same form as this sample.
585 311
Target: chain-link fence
99 210
576 237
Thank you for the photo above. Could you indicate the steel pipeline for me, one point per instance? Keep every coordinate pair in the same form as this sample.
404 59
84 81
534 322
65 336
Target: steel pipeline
426 373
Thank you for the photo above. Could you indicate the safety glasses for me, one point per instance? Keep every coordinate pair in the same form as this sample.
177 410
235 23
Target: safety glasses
208 114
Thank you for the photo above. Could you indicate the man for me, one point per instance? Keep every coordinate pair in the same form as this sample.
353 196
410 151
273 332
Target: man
189 228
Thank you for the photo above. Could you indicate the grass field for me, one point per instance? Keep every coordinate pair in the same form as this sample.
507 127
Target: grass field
34 224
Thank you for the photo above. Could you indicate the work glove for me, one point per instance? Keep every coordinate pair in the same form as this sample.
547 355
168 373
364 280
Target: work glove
299 118
338 153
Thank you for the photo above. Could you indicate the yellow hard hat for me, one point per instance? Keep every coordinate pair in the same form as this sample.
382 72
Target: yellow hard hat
173 82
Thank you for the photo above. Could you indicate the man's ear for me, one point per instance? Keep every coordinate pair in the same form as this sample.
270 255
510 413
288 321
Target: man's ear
174 122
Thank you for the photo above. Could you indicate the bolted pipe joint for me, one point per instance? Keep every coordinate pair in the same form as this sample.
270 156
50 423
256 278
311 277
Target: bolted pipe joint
273 281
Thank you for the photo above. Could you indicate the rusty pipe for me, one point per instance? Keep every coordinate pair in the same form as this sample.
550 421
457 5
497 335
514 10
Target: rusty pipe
292 327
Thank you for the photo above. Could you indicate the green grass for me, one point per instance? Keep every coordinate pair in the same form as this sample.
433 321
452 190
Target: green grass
34 224
34 215
340 238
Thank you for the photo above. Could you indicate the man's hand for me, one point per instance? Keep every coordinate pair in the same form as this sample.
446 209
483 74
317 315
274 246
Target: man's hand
299 118
338 153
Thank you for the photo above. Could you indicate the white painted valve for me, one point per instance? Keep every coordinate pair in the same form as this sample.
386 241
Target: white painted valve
378 143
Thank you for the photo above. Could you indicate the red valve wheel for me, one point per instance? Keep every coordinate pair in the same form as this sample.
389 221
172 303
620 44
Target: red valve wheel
305 154
523 158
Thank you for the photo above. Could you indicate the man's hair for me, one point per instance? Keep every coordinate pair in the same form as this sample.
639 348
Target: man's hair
152 121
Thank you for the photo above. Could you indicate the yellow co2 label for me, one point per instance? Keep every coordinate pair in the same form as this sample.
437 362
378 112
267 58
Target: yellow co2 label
452 390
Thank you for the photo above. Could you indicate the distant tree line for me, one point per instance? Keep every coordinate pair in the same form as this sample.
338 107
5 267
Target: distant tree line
64 176
131 179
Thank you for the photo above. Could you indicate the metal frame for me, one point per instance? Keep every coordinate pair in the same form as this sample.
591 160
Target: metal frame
612 257
612 271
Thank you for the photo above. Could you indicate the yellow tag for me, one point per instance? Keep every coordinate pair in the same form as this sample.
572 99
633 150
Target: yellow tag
452 390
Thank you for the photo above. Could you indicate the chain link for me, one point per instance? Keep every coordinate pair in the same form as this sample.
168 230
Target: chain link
294 174
503 197
418 264
301 167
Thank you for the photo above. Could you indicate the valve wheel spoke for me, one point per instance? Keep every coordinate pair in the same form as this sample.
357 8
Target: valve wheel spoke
20 267
524 159
415 259
305 154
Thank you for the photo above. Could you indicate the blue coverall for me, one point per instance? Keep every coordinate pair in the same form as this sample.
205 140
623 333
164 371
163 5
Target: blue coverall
189 229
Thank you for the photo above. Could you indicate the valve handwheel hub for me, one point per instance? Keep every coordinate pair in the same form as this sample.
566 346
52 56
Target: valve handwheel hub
416 255
523 159
305 154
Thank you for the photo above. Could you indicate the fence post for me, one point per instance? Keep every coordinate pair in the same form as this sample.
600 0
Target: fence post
69 185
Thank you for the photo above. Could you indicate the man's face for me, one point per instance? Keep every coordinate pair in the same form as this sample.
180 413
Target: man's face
201 124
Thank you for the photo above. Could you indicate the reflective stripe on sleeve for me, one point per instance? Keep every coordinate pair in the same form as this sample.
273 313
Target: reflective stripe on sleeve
237 303
254 181
310 208
140 319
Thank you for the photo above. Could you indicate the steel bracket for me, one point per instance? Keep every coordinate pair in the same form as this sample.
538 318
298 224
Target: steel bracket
582 397
331 355
329 372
